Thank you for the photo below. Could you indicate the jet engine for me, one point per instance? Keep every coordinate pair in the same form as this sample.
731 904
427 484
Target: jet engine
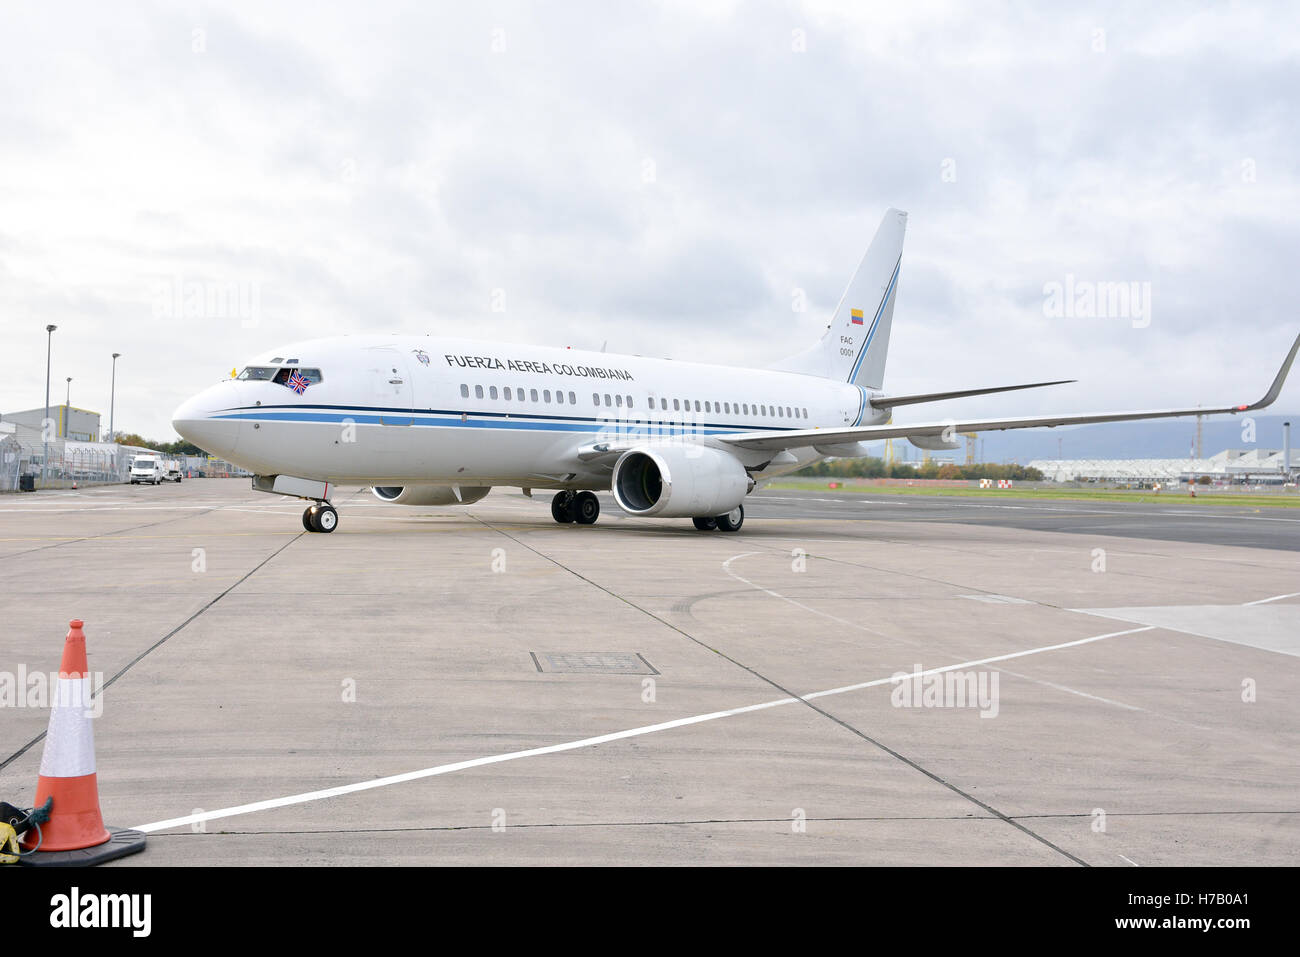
428 494
679 481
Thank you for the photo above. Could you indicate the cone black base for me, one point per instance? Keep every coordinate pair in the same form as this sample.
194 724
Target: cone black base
122 841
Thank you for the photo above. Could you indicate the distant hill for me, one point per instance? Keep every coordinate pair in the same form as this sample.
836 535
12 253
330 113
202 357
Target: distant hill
1158 439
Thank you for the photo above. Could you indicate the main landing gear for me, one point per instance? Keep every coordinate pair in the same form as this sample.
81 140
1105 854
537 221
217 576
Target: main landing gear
321 517
730 522
580 507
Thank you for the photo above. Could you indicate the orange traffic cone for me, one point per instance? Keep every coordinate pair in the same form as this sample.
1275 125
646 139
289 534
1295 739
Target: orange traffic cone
75 832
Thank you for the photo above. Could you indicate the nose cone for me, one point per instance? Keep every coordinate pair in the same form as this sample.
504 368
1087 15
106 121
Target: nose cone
200 420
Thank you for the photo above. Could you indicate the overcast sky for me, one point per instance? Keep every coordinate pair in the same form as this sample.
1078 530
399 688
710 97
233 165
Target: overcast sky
661 177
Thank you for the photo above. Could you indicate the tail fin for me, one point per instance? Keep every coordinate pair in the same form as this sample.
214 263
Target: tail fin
855 344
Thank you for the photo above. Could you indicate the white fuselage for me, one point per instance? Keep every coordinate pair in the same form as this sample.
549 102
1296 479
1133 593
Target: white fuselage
394 410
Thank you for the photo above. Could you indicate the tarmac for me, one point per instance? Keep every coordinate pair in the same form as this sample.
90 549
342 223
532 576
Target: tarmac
1087 684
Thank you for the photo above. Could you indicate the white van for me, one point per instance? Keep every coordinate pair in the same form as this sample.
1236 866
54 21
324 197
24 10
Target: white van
147 468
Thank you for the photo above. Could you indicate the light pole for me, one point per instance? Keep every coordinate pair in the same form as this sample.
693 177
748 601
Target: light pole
67 407
111 396
45 428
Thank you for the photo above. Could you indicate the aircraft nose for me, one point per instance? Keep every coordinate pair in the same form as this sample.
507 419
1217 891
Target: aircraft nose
198 419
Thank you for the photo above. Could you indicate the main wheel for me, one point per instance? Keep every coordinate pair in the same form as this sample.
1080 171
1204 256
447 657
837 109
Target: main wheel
586 508
562 507
732 521
326 518
705 524
307 519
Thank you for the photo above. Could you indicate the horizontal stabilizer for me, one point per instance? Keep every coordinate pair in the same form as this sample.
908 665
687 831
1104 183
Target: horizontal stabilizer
891 401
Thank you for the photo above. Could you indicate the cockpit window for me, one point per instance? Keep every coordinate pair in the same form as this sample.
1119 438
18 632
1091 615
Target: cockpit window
311 375
279 376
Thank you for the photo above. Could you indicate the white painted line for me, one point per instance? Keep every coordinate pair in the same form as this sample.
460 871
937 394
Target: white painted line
726 567
1265 601
325 793
1081 694
1134 863
1117 704
981 661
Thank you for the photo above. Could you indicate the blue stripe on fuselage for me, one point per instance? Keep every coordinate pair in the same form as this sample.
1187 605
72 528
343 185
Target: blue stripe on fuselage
522 423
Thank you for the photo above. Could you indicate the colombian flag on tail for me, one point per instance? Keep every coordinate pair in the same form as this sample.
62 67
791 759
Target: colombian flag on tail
856 315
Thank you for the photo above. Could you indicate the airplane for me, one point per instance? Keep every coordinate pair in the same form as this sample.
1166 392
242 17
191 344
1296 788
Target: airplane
431 420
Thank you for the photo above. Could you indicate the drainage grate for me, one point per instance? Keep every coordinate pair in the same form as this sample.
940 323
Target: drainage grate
592 662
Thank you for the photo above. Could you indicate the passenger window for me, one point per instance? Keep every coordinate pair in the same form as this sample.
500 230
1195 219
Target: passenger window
629 402
618 400
707 406
573 400
478 392
676 406
507 393
607 402
532 394
464 391
697 405
559 397
492 391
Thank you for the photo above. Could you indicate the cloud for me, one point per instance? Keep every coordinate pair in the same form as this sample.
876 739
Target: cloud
664 177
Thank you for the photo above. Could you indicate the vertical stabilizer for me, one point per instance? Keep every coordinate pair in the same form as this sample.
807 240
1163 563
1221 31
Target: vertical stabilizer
855 345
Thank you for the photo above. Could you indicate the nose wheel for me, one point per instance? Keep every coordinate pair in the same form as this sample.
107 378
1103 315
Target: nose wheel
320 518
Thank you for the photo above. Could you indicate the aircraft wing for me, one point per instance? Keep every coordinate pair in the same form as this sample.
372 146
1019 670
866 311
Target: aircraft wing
803 438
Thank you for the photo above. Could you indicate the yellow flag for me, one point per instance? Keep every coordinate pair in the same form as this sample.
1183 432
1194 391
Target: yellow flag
234 373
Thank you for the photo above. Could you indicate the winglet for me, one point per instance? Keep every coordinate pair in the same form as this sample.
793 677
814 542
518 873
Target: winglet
1276 389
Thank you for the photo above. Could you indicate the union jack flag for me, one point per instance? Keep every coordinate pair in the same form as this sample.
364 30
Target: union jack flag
297 382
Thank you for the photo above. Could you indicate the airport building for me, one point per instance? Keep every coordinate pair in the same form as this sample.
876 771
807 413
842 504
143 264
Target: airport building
80 425
1229 467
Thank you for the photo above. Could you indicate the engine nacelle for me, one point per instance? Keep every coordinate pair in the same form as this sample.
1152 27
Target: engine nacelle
428 494
679 482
